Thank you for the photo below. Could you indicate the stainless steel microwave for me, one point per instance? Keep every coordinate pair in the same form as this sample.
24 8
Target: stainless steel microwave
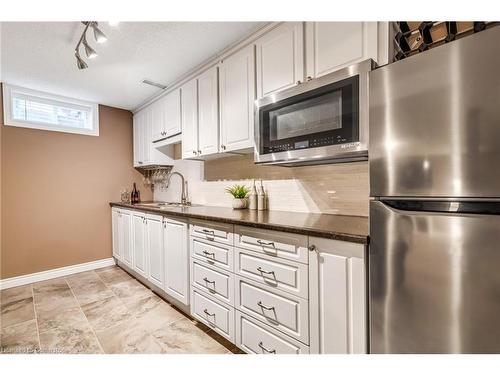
324 120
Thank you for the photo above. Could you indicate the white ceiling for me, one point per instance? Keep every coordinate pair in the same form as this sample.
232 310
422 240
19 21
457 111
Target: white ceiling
39 55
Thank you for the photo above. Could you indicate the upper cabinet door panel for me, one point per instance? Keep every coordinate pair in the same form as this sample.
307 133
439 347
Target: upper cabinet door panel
158 113
237 94
189 118
173 113
208 112
280 58
334 45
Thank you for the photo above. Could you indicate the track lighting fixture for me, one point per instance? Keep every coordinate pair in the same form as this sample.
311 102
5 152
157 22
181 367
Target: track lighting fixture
99 36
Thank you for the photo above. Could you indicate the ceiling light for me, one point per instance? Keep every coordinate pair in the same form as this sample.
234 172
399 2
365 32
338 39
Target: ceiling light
98 34
79 62
89 51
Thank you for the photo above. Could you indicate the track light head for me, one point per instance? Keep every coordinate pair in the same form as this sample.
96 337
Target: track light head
89 51
79 62
99 36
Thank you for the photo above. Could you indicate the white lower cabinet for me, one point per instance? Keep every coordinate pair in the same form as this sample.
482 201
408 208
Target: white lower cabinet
139 243
176 259
254 337
154 249
122 235
337 292
215 314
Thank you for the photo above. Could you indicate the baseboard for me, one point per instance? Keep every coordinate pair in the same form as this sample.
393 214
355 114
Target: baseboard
52 274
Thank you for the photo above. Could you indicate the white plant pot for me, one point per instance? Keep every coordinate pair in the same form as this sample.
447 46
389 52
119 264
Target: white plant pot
240 203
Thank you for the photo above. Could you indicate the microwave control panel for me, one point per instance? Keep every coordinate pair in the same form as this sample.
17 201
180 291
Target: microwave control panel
310 143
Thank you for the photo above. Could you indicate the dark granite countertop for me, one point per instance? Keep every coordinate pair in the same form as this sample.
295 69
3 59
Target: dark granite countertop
337 227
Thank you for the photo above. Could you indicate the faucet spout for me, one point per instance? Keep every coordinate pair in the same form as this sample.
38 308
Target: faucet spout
183 191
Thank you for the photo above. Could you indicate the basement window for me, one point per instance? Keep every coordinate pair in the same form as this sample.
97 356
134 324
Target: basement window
28 108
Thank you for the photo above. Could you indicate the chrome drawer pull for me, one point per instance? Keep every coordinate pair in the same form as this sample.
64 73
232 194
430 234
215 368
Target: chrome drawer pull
262 243
209 232
206 312
261 345
208 254
266 272
264 306
208 281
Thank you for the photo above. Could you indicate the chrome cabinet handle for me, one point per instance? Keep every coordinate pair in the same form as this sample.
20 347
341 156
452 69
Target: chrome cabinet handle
208 253
261 345
313 248
206 312
139 162
261 305
208 231
208 281
194 152
199 152
309 78
263 271
262 243
223 147
298 82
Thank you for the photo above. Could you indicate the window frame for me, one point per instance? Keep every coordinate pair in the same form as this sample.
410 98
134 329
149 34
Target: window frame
9 90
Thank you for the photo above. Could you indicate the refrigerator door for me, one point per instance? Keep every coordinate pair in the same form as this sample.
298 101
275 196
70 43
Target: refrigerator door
435 122
434 282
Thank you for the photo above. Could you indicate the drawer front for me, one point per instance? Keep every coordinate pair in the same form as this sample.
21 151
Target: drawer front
282 311
214 232
213 253
214 282
291 277
256 338
214 314
278 244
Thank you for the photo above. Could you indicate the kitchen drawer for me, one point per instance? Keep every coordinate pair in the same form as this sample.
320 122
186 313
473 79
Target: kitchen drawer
211 231
278 244
280 310
255 337
213 313
214 282
213 253
291 277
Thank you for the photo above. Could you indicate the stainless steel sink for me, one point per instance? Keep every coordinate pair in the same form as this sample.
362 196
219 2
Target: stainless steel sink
161 205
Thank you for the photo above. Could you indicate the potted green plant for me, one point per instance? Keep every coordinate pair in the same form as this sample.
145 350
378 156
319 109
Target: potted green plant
239 193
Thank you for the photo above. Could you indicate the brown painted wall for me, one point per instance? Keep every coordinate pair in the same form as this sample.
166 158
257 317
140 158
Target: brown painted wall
55 192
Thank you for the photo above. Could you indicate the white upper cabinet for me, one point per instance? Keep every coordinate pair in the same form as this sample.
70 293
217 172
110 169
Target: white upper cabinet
189 116
159 118
237 96
334 45
173 113
280 58
208 112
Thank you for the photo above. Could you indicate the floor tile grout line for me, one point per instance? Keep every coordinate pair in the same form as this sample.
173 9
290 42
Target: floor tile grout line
36 319
86 319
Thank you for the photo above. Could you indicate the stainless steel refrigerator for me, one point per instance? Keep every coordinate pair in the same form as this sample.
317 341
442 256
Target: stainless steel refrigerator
434 258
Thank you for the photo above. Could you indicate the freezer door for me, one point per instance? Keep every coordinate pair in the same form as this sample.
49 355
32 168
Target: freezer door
435 122
434 281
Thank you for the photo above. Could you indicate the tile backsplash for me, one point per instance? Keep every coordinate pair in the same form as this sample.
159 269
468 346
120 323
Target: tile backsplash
334 189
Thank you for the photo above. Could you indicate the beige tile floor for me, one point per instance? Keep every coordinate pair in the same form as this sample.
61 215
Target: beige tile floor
101 311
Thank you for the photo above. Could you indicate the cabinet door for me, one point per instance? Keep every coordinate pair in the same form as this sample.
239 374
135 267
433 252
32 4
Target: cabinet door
237 95
176 260
334 45
154 248
126 238
115 223
337 297
139 241
139 138
208 112
158 110
280 58
147 134
173 113
189 100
